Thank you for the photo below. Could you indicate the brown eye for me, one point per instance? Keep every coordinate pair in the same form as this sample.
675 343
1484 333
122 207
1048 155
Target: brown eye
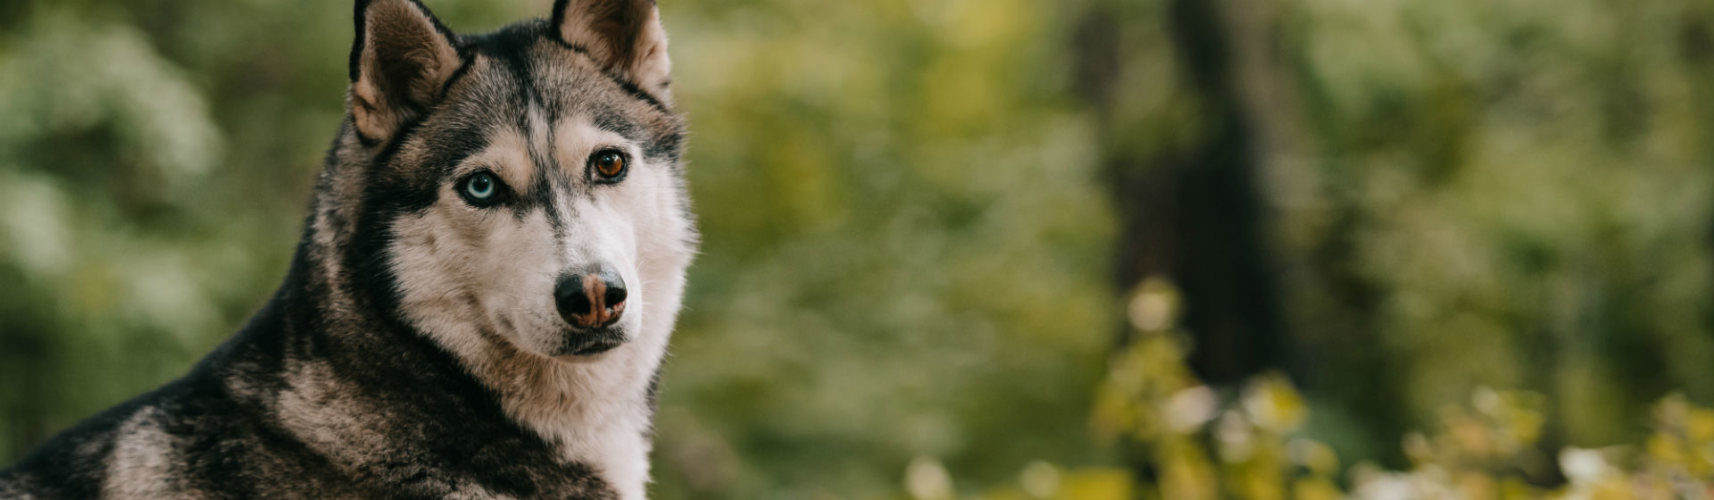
609 165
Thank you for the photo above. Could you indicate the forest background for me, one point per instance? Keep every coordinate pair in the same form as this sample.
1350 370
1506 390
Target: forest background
1006 248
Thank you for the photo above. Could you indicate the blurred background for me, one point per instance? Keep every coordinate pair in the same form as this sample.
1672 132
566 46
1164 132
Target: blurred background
993 248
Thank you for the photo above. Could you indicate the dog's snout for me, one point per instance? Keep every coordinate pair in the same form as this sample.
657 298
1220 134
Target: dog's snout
592 297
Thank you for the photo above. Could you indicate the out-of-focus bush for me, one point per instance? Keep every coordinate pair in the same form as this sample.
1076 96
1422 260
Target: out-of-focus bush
1192 442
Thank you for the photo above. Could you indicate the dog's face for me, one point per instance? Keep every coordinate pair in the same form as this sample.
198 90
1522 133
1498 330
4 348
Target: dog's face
525 185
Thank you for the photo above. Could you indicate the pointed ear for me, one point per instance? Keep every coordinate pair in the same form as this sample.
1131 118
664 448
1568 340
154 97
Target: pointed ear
399 62
624 36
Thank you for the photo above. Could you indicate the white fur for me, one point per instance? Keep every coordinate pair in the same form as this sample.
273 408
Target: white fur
140 465
464 271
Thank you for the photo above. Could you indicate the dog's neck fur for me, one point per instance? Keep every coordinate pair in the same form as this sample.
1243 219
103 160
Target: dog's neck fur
592 413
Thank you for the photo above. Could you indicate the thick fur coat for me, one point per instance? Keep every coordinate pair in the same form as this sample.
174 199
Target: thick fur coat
483 292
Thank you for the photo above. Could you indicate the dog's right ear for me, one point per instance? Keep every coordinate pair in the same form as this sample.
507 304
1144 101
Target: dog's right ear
400 61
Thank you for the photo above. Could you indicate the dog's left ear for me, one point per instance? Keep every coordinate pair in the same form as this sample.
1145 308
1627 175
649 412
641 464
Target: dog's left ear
624 36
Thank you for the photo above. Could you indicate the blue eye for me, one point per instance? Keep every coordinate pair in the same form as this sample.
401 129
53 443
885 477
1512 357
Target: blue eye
481 189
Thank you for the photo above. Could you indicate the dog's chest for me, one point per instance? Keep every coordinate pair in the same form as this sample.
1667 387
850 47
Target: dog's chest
597 418
617 450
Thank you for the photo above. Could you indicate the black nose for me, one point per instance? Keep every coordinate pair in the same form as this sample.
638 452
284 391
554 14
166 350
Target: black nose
591 297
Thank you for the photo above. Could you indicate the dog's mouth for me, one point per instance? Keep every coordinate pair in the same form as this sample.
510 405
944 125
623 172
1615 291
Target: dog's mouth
591 341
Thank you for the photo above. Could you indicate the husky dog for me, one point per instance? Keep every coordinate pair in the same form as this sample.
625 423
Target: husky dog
481 298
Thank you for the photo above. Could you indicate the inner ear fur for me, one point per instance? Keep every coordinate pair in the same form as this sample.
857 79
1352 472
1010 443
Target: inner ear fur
624 36
399 63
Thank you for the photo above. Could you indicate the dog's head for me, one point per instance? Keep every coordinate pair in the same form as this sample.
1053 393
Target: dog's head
522 186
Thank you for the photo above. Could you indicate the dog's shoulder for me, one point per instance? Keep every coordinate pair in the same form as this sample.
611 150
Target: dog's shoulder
75 463
186 437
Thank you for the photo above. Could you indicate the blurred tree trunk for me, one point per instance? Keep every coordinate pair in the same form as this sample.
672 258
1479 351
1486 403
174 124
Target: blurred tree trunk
1201 211
1191 212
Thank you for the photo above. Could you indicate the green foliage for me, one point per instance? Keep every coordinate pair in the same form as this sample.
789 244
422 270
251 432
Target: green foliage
1463 194
1524 188
1197 443
906 242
